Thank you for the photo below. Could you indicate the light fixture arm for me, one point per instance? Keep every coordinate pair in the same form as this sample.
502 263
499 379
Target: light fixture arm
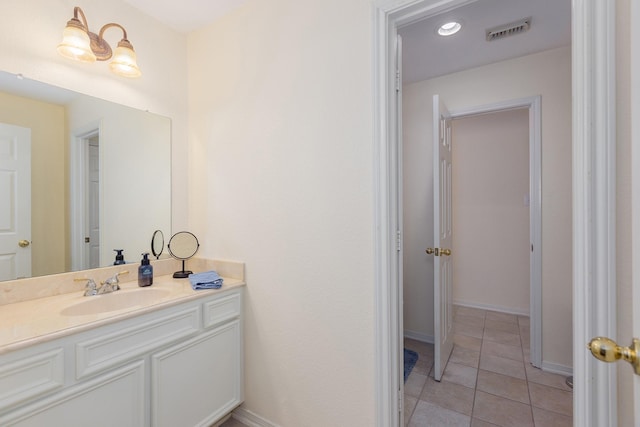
75 22
112 24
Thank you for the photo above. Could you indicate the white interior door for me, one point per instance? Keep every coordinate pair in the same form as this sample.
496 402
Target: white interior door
15 202
442 232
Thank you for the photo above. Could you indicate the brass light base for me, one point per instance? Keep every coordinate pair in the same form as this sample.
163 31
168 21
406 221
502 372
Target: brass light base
100 47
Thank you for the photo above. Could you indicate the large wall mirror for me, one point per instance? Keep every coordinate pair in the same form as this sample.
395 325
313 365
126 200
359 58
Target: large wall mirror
79 177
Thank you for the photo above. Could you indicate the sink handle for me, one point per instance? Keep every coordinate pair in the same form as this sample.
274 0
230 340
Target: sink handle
90 288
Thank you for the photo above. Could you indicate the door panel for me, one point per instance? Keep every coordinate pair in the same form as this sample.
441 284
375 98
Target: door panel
442 232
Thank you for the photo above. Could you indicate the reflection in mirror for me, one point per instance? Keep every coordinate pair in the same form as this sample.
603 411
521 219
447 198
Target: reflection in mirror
157 243
99 172
183 245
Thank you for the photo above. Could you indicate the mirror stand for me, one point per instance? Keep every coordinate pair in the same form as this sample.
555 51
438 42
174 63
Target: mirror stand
182 274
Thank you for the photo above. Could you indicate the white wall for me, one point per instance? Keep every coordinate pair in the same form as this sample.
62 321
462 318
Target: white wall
135 157
490 218
31 30
280 112
547 74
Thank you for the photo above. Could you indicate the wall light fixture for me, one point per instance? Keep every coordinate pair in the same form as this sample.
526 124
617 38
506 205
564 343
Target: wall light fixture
80 44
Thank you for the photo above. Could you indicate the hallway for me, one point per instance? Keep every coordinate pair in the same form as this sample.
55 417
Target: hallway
488 380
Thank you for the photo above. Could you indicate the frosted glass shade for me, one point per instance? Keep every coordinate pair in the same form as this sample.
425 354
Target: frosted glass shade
124 61
76 45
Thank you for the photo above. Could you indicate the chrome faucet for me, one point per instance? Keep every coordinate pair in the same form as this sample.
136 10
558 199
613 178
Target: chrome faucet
111 284
108 286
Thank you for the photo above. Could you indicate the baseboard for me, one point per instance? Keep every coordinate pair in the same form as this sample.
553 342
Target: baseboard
251 419
490 307
554 368
419 336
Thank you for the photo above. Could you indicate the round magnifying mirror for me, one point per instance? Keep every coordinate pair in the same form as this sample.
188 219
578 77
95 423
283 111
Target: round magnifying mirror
183 245
157 243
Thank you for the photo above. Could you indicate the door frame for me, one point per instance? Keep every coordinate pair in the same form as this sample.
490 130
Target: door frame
594 195
78 151
635 189
533 105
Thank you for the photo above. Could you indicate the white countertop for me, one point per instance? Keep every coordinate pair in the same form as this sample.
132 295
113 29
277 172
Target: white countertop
38 320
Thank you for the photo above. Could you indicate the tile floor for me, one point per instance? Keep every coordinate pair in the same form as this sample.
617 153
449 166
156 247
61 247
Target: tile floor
488 380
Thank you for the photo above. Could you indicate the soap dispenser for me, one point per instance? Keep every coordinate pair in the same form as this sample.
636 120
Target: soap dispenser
145 271
119 257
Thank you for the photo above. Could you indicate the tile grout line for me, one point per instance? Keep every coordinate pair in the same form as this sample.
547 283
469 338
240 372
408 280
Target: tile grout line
526 375
475 389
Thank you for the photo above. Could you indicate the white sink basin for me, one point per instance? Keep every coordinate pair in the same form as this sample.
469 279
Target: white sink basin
115 301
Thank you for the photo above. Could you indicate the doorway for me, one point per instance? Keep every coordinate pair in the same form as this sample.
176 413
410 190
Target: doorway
491 211
593 84
418 212
85 187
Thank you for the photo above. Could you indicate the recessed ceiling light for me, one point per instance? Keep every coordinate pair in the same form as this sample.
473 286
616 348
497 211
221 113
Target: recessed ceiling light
449 29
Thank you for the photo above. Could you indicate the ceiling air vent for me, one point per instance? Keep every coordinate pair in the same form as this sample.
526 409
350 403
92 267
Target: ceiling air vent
507 30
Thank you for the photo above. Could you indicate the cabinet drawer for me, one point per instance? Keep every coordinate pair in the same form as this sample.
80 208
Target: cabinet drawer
31 377
222 310
115 348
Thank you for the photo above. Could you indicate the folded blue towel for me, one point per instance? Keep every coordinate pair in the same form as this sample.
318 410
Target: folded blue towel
206 280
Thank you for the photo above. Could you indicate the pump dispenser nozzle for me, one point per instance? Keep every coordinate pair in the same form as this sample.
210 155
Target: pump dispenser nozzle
119 257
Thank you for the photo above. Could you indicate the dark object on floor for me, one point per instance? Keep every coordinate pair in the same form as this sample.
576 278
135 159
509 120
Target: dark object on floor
410 359
569 381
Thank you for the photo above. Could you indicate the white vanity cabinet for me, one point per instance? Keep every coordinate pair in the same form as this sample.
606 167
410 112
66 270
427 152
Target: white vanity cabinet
177 366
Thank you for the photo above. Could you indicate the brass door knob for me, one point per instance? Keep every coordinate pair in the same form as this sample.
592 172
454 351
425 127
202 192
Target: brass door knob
446 252
24 243
429 251
608 350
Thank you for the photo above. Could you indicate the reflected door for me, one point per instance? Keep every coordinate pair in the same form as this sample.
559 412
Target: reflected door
93 199
15 202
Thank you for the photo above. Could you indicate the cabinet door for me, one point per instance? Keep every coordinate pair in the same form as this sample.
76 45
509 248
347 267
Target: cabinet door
115 399
197 382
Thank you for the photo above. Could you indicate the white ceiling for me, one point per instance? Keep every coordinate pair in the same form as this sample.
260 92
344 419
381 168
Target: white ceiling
185 15
427 55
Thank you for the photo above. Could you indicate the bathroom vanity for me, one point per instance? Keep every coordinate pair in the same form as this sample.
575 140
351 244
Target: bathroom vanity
165 355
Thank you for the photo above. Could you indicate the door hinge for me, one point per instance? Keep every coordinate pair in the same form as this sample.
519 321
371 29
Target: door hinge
398 240
400 408
397 80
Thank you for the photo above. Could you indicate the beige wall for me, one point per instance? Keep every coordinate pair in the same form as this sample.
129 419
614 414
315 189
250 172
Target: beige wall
547 74
162 89
490 217
280 112
48 178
